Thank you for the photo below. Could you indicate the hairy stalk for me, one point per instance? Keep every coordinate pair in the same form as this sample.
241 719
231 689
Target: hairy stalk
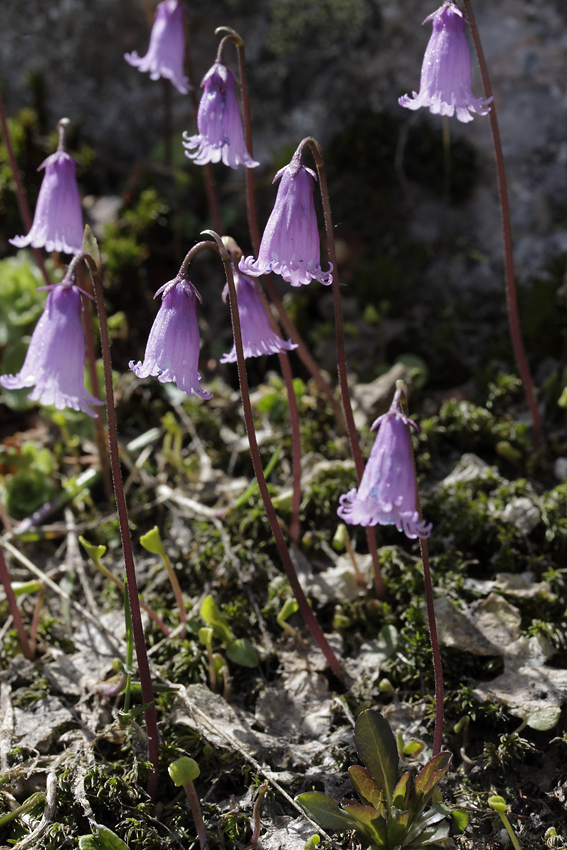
210 185
14 610
138 629
100 433
437 666
287 324
341 356
511 296
432 624
289 568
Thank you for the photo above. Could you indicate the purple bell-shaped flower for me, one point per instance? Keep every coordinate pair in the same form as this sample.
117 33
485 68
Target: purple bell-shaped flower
58 219
166 53
219 122
258 337
55 360
290 245
446 71
172 350
388 490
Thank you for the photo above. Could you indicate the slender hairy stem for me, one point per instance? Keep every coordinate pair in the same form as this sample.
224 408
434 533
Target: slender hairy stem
511 297
341 356
288 325
149 611
141 654
437 666
20 194
100 432
14 610
197 814
289 568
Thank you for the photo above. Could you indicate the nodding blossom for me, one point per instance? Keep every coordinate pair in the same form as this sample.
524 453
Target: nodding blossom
58 219
172 350
290 245
257 335
55 360
219 122
166 53
445 85
388 489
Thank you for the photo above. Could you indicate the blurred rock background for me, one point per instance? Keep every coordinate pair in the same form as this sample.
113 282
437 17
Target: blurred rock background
413 248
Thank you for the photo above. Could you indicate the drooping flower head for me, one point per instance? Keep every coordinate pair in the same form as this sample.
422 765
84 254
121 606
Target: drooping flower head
258 337
219 122
445 85
166 52
290 245
55 360
388 489
172 350
58 219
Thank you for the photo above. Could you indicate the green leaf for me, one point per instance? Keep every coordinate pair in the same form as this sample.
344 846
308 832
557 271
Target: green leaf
425 823
398 823
152 542
370 823
325 811
376 747
242 652
105 840
367 788
402 791
459 820
211 614
432 773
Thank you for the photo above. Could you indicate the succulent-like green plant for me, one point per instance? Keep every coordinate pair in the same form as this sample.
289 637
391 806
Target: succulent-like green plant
396 811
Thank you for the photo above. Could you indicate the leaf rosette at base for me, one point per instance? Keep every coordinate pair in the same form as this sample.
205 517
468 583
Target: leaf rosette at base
395 811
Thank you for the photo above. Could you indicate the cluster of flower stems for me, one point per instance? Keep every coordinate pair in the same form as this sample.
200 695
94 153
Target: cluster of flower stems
344 413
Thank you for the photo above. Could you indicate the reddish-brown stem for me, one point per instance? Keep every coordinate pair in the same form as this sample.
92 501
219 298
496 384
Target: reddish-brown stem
137 627
14 610
511 297
341 356
20 194
289 568
197 814
100 431
437 666
288 325
294 525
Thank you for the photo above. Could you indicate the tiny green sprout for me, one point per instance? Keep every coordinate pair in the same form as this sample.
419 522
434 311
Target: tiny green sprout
386 687
339 540
506 450
289 607
183 772
312 842
104 839
552 839
411 749
499 805
152 542
239 650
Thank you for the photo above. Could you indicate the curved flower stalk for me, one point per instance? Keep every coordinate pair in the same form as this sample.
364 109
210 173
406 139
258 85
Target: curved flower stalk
387 494
445 85
55 361
290 245
166 52
172 350
219 122
58 219
258 338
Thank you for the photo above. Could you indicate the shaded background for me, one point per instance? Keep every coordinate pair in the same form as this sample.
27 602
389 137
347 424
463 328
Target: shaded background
418 232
